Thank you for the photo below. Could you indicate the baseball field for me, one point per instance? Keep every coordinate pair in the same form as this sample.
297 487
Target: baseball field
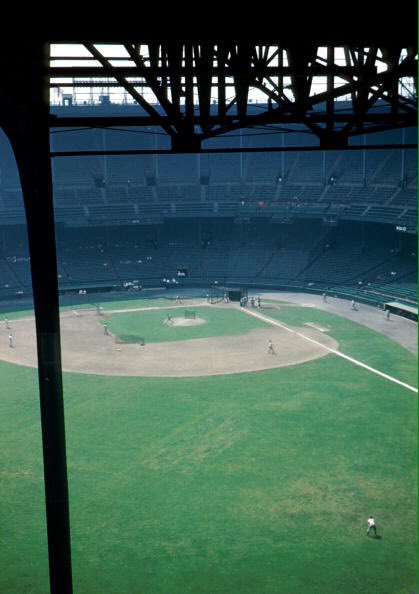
201 463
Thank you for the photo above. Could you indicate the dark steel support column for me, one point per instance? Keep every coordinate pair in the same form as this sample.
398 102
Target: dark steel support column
24 109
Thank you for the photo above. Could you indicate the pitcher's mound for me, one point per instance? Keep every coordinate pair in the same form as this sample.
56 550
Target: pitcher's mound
186 322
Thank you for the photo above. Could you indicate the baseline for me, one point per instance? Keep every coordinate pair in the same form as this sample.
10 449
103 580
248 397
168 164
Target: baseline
334 351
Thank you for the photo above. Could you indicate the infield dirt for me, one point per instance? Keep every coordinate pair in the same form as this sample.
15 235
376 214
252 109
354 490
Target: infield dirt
85 349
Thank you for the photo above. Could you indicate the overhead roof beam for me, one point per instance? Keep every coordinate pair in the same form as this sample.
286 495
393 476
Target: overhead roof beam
128 87
150 78
179 72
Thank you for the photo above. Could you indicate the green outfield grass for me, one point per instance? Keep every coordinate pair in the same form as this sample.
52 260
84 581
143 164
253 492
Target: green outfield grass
355 340
254 483
130 326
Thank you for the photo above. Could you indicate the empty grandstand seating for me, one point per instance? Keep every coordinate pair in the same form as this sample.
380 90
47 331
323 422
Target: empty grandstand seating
371 261
368 184
267 211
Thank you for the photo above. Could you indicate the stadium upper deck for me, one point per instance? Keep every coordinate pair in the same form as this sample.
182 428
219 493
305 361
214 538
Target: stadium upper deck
364 184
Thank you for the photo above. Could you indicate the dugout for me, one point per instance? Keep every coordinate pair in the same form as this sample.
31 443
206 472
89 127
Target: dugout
234 294
401 309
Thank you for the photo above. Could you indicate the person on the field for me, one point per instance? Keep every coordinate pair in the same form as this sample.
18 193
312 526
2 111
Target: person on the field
371 526
10 340
270 348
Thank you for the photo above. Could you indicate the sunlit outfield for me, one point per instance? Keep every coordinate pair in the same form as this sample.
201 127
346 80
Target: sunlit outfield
255 483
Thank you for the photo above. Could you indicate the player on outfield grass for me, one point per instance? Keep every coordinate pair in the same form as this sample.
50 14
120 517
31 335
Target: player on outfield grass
371 526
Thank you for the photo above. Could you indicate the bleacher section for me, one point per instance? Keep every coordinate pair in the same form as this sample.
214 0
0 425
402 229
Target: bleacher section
364 185
268 215
258 169
368 260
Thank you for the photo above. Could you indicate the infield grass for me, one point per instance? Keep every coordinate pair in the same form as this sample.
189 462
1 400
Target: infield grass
130 326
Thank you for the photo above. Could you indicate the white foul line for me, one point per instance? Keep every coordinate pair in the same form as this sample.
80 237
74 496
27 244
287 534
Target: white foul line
334 351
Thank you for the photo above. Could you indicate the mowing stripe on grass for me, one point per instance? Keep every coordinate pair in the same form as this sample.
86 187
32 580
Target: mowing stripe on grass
334 351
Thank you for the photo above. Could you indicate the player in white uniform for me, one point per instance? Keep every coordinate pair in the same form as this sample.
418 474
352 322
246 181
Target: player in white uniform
371 526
